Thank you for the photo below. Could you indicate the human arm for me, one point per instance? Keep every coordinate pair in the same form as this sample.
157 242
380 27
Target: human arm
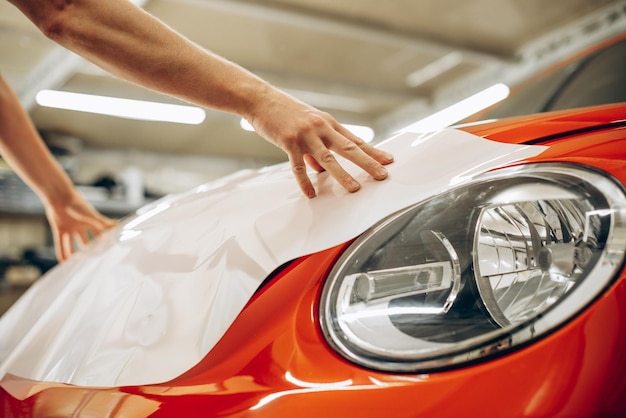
133 45
69 215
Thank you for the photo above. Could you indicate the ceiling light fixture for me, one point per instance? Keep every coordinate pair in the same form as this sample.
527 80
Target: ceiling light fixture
122 108
434 69
364 132
461 110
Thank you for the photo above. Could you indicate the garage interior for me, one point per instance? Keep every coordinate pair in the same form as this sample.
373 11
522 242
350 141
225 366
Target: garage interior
381 65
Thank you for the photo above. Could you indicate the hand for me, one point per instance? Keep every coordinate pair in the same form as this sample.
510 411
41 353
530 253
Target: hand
308 136
74 223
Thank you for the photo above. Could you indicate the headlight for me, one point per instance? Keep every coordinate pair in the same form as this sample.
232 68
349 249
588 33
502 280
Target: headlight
482 268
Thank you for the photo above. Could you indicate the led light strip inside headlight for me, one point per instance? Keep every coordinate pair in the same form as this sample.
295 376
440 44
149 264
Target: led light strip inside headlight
479 269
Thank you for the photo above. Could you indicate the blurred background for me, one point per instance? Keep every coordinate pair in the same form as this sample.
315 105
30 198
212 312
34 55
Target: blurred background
375 65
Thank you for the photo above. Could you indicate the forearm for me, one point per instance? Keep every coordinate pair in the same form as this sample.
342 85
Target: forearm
25 152
133 45
130 43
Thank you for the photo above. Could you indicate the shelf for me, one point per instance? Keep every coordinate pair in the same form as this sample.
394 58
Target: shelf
16 198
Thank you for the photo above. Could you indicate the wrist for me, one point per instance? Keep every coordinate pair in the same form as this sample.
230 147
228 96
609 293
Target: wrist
58 196
267 100
254 95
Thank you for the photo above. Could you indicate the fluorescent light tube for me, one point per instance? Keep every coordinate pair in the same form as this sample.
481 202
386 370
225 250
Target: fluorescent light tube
122 108
364 132
434 69
461 110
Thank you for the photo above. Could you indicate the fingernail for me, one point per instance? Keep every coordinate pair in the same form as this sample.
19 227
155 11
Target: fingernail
381 172
353 186
389 156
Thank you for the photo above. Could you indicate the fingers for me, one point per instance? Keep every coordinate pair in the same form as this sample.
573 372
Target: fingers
298 167
344 143
65 247
369 158
320 159
311 162
100 222
82 238
328 161
97 225
75 235
317 155
308 136
68 242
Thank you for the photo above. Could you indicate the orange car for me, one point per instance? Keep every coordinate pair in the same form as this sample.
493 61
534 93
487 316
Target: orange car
484 283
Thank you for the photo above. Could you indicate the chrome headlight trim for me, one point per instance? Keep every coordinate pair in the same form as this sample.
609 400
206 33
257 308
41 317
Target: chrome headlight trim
360 324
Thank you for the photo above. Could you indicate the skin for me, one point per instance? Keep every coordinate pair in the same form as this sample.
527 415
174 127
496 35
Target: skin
72 219
131 44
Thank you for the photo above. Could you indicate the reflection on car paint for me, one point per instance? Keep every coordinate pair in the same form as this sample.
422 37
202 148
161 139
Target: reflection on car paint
166 284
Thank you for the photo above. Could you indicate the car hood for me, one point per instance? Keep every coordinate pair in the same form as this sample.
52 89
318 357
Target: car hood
150 298
550 125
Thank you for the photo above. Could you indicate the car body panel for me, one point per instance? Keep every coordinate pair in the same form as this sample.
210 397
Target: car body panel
165 285
281 374
273 360
534 128
263 351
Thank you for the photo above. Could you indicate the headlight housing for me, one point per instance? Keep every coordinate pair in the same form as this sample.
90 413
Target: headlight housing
482 268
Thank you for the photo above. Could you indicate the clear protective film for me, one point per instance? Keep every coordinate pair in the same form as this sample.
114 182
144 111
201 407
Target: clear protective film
150 299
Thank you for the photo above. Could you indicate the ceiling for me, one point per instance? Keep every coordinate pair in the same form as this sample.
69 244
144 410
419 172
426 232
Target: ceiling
380 63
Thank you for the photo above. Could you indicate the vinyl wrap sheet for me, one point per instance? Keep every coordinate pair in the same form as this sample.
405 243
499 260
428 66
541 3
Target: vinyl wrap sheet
150 298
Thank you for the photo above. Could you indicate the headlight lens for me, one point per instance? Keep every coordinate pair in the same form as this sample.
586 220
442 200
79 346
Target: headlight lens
481 268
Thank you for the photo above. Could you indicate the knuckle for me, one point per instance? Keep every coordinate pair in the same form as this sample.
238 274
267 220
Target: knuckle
358 142
291 142
349 147
299 169
326 157
317 121
293 137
